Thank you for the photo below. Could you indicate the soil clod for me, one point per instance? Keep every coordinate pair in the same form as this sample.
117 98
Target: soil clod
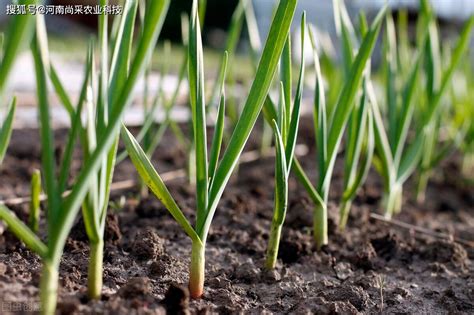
148 245
247 272
353 294
386 246
446 252
112 229
176 300
135 287
366 257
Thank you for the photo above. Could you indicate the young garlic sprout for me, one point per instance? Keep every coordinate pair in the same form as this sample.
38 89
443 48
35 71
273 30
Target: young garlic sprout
330 127
285 134
212 174
359 146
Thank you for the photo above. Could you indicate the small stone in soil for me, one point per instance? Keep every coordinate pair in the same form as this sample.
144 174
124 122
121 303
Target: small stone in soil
343 270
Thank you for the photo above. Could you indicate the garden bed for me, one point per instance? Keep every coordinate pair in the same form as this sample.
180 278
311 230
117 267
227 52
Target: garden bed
372 267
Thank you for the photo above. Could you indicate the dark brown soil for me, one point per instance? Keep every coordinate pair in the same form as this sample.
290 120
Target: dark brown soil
373 267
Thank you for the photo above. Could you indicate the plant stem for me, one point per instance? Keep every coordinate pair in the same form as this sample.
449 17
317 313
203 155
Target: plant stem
467 164
196 270
49 288
192 166
421 187
273 245
267 137
393 201
144 192
35 201
344 214
94 277
399 200
320 225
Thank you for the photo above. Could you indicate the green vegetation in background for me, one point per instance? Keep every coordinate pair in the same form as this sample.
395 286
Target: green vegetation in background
398 154
18 34
62 210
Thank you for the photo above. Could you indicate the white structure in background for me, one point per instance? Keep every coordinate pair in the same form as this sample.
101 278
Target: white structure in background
456 10
320 13
3 4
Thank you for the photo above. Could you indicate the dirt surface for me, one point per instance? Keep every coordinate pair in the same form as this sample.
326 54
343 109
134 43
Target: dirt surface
373 267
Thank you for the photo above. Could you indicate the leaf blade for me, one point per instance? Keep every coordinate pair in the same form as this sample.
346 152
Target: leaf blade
153 180
257 95
23 232
198 107
156 11
6 130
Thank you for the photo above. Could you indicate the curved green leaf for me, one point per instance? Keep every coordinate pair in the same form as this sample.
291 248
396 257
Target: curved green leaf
266 70
295 115
217 139
348 94
6 130
281 178
23 232
198 108
153 180
155 14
